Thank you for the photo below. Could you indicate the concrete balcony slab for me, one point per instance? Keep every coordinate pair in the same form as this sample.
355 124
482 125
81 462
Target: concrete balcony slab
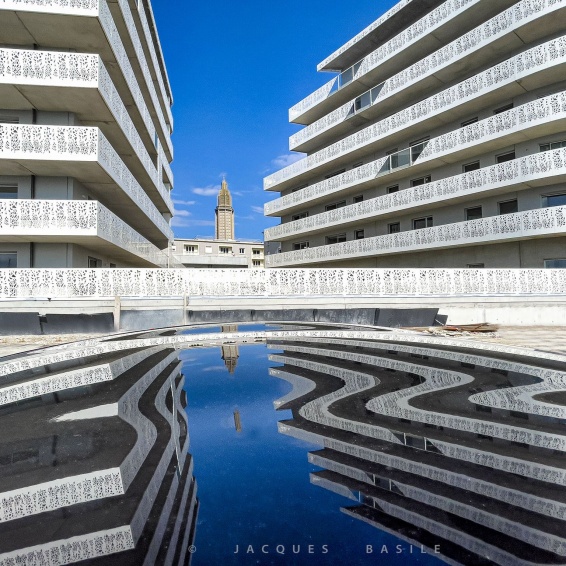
85 154
539 223
85 223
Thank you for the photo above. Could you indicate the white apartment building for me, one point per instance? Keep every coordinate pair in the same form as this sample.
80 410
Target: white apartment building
440 142
85 135
204 253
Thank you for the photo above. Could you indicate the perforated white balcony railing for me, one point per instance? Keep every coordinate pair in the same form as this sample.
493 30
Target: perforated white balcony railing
507 127
75 144
532 223
80 221
82 70
426 25
276 283
548 166
453 53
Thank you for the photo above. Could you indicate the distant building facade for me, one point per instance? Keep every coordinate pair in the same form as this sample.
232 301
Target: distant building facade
222 251
440 143
210 253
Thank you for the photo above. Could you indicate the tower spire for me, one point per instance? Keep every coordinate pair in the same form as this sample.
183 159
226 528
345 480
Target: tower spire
224 214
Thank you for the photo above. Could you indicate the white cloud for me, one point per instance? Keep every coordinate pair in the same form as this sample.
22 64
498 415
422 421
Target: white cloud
184 202
210 191
287 159
184 213
258 209
177 222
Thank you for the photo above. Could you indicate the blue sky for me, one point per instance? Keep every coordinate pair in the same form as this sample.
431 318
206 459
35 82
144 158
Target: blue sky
236 67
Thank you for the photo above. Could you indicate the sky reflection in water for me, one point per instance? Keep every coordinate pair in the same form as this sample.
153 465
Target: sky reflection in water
254 485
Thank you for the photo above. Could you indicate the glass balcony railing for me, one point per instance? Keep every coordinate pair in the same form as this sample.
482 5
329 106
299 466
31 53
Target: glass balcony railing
365 100
402 158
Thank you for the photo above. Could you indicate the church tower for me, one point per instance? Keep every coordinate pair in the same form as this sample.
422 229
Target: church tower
224 214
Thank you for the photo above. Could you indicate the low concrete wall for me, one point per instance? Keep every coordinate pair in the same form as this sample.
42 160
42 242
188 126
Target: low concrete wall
134 313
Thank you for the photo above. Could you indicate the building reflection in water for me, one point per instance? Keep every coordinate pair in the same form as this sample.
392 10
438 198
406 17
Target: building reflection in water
94 461
443 446
230 352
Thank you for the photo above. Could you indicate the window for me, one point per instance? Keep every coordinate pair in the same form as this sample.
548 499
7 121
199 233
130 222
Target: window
503 108
509 156
225 249
358 198
299 188
336 239
554 200
552 145
473 213
469 122
256 262
362 101
8 260
112 265
242 250
94 262
392 189
548 263
300 245
474 166
299 216
417 147
335 173
359 235
420 181
394 228
191 249
256 252
335 205
392 151
508 206
419 223
476 265
208 249
8 191
9 119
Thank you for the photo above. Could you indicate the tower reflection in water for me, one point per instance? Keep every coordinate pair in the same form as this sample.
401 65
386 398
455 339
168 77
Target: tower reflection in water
460 450
94 462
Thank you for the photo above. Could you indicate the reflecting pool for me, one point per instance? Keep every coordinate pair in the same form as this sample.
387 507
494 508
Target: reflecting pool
267 445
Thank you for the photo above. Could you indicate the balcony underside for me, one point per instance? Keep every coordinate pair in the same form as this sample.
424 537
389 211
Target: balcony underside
391 26
94 176
83 34
91 110
92 242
